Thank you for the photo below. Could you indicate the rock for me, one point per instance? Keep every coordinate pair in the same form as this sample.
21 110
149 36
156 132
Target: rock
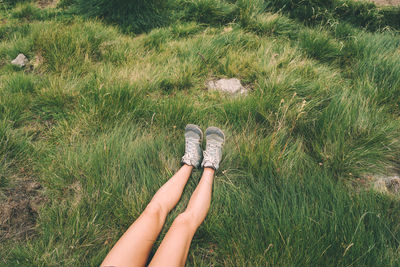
393 185
21 60
389 184
232 86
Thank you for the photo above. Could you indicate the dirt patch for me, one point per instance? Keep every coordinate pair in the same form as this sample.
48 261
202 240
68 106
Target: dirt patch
19 208
386 2
47 3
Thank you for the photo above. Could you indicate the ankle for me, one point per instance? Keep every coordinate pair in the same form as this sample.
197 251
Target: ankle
208 170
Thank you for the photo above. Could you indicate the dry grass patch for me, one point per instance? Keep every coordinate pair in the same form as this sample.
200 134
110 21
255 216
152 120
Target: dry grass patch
386 2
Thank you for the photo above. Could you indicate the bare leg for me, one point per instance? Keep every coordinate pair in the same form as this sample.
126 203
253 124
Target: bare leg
174 248
133 248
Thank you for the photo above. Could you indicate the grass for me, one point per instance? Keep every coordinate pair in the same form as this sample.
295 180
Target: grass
97 119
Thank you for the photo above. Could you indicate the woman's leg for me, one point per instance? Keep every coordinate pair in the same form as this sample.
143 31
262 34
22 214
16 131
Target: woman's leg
174 248
133 248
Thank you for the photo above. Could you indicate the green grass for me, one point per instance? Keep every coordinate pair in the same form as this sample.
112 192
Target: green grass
98 118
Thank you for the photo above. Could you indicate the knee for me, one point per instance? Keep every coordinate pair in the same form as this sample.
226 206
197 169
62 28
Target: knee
187 220
154 210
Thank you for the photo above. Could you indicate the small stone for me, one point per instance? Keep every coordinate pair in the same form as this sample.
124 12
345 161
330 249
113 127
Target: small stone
21 60
393 185
232 86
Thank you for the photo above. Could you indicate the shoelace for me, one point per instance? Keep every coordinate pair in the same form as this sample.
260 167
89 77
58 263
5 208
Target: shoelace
211 155
191 146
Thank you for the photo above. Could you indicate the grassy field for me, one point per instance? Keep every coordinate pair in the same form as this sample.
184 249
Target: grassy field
94 125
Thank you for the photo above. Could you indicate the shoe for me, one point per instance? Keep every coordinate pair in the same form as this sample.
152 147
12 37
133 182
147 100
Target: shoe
213 154
193 151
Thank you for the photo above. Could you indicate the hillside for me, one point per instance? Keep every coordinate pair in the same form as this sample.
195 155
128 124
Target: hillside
93 125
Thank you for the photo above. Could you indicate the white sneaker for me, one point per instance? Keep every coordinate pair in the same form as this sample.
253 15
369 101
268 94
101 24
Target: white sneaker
193 151
212 156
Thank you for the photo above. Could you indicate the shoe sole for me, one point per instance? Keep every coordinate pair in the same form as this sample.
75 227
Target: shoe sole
216 130
195 128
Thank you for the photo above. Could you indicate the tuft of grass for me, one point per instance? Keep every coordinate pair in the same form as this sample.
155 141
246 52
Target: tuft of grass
64 48
319 45
156 38
272 24
364 14
359 140
15 97
27 11
21 83
9 32
136 16
13 147
308 10
52 104
212 12
12 3
379 67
